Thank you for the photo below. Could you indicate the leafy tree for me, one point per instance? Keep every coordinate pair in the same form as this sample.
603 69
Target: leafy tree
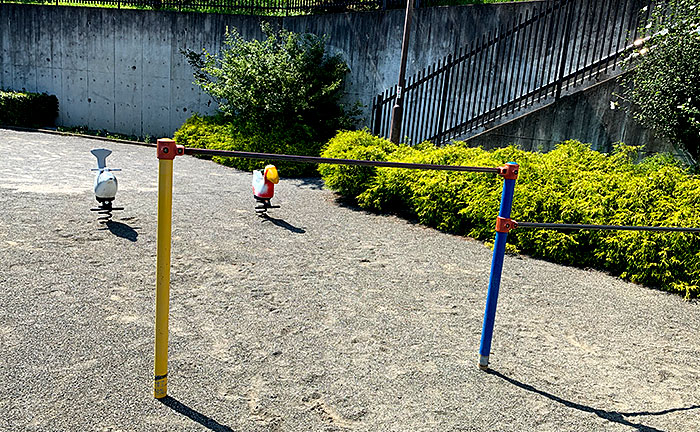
663 83
285 81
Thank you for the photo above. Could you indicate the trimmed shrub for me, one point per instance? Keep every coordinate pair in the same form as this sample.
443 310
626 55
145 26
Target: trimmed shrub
572 184
351 180
27 109
217 133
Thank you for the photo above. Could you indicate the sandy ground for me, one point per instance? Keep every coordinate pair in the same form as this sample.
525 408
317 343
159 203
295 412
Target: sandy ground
321 318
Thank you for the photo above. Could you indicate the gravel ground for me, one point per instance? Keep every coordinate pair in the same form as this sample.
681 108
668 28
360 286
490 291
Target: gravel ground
321 318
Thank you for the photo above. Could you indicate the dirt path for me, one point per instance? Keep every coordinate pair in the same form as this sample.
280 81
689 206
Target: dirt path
322 318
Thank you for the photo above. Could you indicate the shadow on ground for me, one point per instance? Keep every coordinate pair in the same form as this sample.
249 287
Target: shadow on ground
311 182
282 223
200 418
613 416
122 230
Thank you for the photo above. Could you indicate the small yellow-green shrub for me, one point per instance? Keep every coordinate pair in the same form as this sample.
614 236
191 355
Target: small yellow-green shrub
572 184
218 133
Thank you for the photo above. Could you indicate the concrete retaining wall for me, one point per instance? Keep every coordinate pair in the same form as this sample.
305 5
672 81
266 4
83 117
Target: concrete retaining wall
585 116
122 70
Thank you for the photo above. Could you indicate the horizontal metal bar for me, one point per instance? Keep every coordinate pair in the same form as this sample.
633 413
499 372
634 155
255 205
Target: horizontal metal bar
322 160
600 227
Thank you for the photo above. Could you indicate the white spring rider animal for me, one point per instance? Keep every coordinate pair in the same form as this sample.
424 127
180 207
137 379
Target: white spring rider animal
105 185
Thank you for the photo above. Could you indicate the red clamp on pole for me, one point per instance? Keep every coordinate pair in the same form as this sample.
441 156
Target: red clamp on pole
509 171
167 149
504 225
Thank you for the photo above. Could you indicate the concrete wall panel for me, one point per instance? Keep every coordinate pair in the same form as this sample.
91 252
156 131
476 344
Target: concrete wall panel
155 109
44 79
76 109
100 99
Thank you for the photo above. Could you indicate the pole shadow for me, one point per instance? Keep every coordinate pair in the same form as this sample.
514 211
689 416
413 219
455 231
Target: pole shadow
612 416
200 418
122 230
282 223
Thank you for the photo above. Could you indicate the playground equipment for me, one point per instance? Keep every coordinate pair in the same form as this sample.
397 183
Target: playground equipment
105 186
264 188
167 150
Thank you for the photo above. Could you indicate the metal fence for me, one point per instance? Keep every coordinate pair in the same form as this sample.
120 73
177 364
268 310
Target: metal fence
262 7
526 63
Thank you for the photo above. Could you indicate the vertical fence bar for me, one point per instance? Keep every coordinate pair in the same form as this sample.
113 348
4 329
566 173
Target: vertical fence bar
377 108
514 69
564 50
523 61
446 75
574 30
613 25
623 33
600 28
473 92
541 51
457 91
499 250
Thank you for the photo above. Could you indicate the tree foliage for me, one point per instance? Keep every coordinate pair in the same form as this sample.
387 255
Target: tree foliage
285 80
663 83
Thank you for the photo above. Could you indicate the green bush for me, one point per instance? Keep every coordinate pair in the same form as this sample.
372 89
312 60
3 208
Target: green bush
572 184
287 80
27 109
217 133
351 180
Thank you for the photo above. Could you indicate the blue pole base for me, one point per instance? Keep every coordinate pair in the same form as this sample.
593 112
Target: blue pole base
483 362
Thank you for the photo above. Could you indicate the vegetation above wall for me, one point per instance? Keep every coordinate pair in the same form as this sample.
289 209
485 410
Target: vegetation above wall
572 184
256 7
27 109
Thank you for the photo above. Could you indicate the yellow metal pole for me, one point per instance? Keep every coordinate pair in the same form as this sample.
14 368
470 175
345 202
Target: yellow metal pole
166 154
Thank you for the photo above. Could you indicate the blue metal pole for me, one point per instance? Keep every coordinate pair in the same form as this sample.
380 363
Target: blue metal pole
503 225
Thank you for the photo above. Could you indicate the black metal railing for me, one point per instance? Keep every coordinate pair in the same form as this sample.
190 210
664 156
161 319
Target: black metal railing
527 63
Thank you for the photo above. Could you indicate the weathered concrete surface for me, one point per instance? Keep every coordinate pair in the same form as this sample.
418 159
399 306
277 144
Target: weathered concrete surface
122 70
586 116
322 318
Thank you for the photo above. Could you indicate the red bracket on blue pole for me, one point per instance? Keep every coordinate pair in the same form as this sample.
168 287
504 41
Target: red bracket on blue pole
504 224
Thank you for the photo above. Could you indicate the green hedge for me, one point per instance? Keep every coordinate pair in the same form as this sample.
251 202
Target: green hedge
572 184
218 133
27 109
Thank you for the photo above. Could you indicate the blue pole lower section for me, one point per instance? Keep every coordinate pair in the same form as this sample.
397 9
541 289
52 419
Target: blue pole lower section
499 251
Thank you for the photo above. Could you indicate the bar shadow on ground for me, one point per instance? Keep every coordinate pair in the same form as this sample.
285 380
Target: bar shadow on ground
200 418
613 416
